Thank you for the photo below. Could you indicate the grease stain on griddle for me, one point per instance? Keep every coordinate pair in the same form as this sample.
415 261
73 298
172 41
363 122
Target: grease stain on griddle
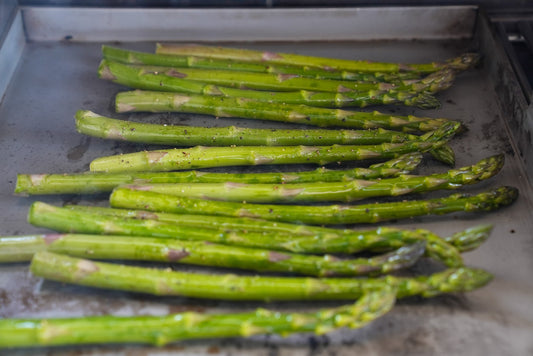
450 101
213 349
70 199
496 138
454 302
176 309
420 339
76 153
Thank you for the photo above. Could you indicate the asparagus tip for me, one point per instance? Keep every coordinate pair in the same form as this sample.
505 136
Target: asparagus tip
455 280
464 61
443 133
404 257
424 101
470 238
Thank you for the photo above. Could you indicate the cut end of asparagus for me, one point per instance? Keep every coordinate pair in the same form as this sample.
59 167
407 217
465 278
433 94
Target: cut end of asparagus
35 209
104 72
25 182
85 114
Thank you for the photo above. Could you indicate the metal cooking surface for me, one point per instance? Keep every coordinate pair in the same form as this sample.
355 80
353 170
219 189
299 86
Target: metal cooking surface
37 135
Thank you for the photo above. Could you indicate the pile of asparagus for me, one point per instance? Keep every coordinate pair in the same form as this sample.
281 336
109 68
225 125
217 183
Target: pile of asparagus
165 207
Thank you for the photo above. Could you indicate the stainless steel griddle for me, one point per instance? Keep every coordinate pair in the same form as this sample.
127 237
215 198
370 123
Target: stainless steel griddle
49 58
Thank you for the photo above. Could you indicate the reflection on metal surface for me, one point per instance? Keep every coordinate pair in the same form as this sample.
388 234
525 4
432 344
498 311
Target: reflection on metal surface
306 24
11 47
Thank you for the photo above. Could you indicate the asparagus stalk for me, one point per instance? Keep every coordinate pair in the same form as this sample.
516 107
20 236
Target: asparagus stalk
92 124
330 191
142 78
262 234
155 101
143 58
462 62
318 239
317 215
84 221
67 269
207 254
435 82
90 183
161 330
205 157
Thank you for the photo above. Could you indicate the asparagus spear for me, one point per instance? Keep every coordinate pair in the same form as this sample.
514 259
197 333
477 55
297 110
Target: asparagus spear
462 62
262 234
435 82
161 330
330 191
141 78
90 123
233 287
90 222
135 57
205 254
204 157
89 183
317 239
155 101
317 215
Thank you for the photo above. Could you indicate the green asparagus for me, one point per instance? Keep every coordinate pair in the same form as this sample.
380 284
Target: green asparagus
135 57
140 79
204 157
317 215
67 269
90 183
150 75
236 231
462 62
331 191
161 330
92 124
14 248
317 239
156 101
89 222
